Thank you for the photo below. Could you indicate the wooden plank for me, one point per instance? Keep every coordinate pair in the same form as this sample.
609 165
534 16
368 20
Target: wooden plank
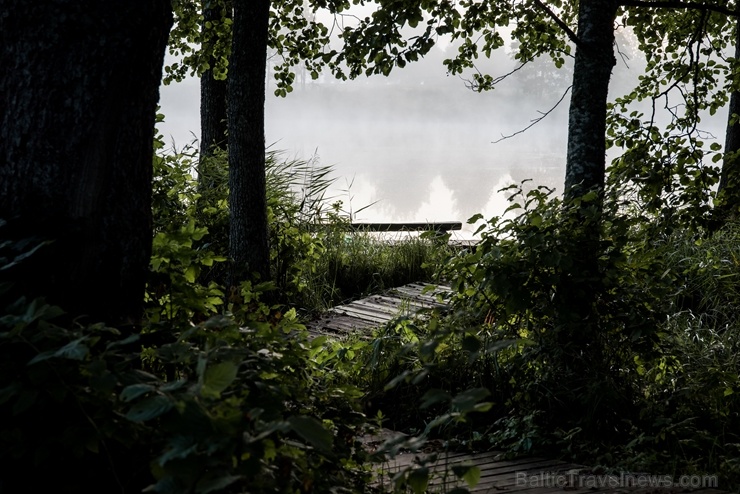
392 310
406 459
416 291
360 313
345 324
503 475
437 226
409 295
407 301
375 311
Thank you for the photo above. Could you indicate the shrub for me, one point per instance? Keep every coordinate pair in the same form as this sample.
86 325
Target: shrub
230 404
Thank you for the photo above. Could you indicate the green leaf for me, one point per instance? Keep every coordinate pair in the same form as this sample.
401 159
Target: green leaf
127 340
174 385
134 391
434 396
74 350
312 431
190 274
403 376
475 218
149 408
466 401
418 480
217 378
9 391
178 447
41 357
469 473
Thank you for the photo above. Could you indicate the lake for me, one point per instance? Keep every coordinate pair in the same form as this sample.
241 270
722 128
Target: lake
419 152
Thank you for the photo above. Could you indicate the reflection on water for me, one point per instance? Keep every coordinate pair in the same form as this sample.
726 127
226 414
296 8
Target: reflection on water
415 159
416 152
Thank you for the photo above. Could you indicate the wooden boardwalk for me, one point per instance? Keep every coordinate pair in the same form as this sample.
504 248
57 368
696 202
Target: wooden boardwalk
534 476
497 475
377 310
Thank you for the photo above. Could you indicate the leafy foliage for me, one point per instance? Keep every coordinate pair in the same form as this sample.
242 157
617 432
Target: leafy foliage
229 404
315 262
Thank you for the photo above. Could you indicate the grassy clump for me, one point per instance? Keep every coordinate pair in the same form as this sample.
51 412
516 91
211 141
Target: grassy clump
358 264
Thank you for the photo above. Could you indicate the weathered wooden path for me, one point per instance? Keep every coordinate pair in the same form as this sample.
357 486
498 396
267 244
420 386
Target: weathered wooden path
497 475
538 476
376 310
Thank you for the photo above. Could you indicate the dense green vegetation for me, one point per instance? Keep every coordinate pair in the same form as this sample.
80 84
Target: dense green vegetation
224 392
600 327
216 390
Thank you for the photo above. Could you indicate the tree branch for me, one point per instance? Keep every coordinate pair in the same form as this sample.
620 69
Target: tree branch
573 37
537 120
678 4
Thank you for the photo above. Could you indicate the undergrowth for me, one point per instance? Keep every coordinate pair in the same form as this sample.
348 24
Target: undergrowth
652 386
632 366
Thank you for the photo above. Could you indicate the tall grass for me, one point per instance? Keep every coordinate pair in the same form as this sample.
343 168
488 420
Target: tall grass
360 263
315 262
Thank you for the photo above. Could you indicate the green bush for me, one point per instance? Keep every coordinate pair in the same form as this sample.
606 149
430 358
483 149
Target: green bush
231 404
315 262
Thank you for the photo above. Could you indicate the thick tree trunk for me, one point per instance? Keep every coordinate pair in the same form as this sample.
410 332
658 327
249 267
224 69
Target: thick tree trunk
728 191
248 243
79 87
594 60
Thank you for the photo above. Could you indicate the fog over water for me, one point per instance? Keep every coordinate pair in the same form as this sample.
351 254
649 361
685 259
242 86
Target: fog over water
418 142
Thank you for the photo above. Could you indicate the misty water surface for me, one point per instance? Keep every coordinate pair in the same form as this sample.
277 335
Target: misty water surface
418 144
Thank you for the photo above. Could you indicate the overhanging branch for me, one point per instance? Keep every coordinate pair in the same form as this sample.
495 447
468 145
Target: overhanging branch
537 120
678 4
562 25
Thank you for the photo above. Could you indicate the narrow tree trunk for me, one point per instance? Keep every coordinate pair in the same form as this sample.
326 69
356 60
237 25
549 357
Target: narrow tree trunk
78 87
248 243
577 292
212 92
594 60
728 191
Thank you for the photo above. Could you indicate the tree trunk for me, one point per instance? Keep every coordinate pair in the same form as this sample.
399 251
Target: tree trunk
728 191
579 287
594 60
80 84
248 242
212 93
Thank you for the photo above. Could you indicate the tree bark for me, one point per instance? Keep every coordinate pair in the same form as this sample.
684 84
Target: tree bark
212 93
594 60
248 242
580 285
79 87
728 191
